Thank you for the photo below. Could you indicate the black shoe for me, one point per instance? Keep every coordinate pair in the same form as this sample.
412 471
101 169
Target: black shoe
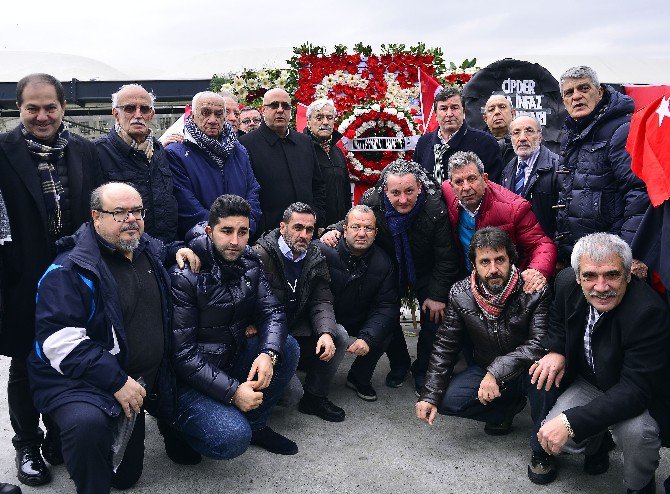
364 391
505 427
321 407
51 450
395 379
650 488
31 467
273 442
542 469
178 450
599 462
9 488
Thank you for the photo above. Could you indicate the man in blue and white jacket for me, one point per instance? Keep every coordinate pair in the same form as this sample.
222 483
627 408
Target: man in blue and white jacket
102 327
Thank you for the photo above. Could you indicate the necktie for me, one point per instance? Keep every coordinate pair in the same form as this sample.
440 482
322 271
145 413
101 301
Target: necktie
520 178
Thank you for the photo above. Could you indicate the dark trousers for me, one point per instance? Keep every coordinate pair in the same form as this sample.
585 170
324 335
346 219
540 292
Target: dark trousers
460 400
86 438
23 416
319 374
363 367
397 351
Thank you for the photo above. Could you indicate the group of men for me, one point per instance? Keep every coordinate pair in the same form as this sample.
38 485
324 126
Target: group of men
131 281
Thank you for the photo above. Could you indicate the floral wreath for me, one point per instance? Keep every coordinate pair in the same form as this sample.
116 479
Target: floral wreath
374 121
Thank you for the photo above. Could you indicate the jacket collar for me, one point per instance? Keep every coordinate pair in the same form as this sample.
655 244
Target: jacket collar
272 138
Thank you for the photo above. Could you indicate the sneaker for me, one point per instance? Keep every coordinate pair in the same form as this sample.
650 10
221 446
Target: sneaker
273 442
505 427
395 379
599 462
542 469
178 450
363 391
321 407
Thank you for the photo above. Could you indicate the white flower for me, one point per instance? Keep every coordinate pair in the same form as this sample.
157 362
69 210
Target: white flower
401 114
376 107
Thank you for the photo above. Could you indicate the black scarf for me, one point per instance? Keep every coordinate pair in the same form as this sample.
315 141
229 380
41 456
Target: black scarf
217 149
46 157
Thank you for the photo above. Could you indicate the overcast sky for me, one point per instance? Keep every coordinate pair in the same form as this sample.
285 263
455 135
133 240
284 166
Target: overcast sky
131 35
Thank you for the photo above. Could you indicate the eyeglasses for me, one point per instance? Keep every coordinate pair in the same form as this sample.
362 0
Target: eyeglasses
131 109
247 121
276 104
529 131
122 215
356 228
321 118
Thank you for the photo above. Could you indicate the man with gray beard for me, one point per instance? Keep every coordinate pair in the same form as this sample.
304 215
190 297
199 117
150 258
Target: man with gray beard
532 174
102 329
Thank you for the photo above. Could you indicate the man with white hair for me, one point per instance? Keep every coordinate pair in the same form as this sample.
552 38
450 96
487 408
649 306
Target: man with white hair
498 114
532 172
232 109
284 163
321 128
130 153
210 162
607 344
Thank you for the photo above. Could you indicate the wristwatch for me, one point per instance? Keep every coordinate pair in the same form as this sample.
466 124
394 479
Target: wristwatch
273 356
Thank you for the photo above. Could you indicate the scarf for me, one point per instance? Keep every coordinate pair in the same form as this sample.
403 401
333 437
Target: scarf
324 143
217 149
5 231
146 146
46 156
398 224
492 304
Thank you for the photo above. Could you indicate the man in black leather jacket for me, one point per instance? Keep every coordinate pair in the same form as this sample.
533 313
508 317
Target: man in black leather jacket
504 325
228 382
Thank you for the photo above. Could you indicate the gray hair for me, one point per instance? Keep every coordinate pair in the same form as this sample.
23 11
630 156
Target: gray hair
461 159
359 208
199 95
319 104
537 122
96 195
228 94
598 247
115 96
580 72
297 207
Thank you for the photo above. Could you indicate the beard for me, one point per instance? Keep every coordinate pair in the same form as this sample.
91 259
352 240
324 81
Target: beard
129 245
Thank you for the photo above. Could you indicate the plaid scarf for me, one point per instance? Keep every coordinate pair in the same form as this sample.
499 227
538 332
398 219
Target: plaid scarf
324 143
492 304
46 156
217 149
146 146
5 231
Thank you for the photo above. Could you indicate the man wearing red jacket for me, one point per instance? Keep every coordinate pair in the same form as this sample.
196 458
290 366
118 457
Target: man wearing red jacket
475 202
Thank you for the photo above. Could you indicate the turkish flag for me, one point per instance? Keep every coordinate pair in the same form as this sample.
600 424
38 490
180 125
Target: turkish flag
300 117
429 87
649 147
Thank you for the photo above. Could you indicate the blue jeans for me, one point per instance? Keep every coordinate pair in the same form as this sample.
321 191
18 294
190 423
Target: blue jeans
220 430
460 400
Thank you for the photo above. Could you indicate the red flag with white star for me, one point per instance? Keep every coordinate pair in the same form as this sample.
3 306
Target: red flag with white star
649 147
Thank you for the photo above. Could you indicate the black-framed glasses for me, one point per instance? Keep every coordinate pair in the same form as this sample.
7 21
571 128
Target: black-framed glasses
122 215
276 104
357 228
131 109
247 121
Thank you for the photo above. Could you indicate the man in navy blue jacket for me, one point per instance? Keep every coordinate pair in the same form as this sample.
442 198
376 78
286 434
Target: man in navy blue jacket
102 327
208 163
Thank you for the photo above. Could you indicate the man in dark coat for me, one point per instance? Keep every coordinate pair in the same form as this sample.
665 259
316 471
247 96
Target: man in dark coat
208 163
415 231
600 193
607 344
130 153
284 163
498 115
47 177
504 326
434 149
102 339
365 287
532 172
299 276
228 383
320 127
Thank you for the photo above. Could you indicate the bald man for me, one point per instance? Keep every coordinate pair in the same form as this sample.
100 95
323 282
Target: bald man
284 163
498 114
102 331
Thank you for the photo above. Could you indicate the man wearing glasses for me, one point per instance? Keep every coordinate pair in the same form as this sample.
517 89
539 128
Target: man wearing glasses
363 282
284 163
209 163
130 153
102 338
47 177
250 119
532 173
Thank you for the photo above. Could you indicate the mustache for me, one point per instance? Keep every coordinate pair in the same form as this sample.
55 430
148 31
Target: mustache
130 226
137 121
603 295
